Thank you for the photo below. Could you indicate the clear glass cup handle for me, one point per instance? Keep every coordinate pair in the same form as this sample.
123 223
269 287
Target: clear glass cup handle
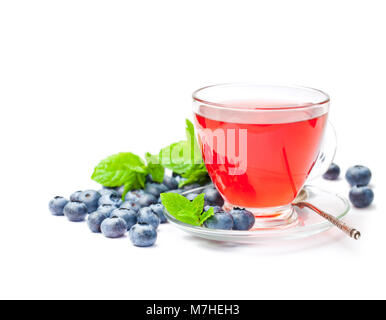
326 153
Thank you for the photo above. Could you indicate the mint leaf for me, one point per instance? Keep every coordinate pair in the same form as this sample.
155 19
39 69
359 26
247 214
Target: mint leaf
183 209
206 215
198 173
184 158
156 170
198 204
120 169
175 203
195 152
175 157
188 218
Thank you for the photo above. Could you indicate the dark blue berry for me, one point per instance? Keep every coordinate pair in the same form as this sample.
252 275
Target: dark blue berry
358 176
75 211
75 196
158 209
95 219
215 208
105 191
155 189
131 196
120 190
113 227
129 215
191 196
170 182
242 219
143 235
56 205
213 197
220 220
131 205
361 197
90 199
146 200
112 198
106 209
332 173
146 215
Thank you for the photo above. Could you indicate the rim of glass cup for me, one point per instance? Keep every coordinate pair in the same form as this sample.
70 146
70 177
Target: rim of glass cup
325 98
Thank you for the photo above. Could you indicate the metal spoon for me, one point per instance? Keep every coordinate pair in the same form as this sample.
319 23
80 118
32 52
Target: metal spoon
301 203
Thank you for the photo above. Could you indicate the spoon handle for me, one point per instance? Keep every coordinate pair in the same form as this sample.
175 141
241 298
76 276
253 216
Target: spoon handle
353 233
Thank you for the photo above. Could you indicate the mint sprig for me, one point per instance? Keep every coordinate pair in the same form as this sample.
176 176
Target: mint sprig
129 170
156 170
190 212
184 157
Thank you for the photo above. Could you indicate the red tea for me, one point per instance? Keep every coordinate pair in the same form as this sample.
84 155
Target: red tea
281 151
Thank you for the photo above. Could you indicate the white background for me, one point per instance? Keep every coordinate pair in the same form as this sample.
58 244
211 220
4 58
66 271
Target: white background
80 80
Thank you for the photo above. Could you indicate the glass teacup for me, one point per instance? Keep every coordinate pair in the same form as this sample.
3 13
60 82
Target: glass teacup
261 143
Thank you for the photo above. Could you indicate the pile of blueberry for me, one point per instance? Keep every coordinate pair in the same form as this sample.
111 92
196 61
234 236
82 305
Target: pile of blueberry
141 212
360 195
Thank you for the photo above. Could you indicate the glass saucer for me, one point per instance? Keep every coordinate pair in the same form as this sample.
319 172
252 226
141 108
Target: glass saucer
309 222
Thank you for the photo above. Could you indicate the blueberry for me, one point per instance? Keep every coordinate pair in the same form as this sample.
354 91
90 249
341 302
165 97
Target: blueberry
104 191
143 235
170 182
90 199
95 219
158 209
75 211
332 173
146 200
358 176
138 193
75 196
131 196
213 197
191 196
146 215
242 219
56 205
129 215
131 205
149 178
120 190
215 208
112 198
113 227
106 209
361 197
220 220
155 189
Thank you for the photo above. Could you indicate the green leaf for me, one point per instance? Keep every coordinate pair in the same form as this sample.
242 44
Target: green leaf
206 215
188 218
120 169
195 156
183 209
198 173
198 204
175 157
156 170
175 203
